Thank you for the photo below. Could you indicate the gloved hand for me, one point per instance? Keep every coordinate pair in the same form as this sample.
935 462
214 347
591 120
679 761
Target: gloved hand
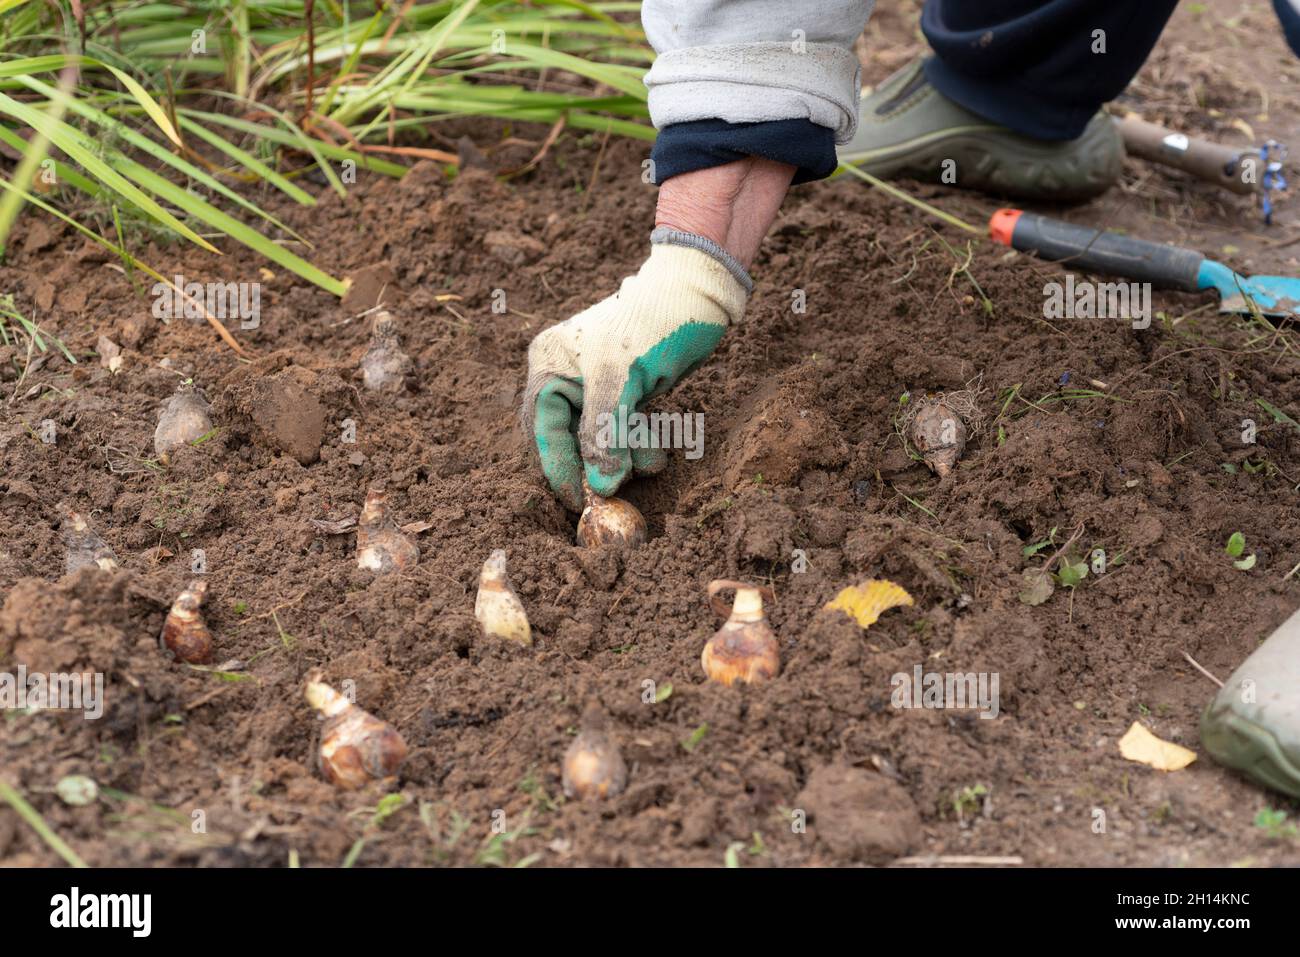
587 374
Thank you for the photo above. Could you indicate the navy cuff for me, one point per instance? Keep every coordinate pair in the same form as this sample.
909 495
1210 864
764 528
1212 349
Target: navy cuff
701 144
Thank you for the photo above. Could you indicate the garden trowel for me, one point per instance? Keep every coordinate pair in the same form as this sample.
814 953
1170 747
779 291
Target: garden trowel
1171 267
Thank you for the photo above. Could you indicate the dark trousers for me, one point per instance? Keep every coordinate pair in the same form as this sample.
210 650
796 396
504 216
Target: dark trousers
1030 64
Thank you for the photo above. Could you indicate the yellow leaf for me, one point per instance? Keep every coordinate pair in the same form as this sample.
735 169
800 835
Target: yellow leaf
867 602
1140 745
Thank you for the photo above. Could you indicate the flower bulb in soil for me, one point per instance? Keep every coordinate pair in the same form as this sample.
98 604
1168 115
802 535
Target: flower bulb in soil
497 608
744 649
185 634
609 521
184 419
939 434
385 366
381 546
85 549
355 746
593 766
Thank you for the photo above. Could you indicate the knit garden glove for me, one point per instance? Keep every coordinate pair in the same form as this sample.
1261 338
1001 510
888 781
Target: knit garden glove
586 374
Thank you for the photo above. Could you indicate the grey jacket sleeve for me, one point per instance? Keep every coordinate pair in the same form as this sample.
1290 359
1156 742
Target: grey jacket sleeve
750 61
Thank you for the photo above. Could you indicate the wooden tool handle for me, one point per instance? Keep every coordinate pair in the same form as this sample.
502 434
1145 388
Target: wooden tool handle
1212 162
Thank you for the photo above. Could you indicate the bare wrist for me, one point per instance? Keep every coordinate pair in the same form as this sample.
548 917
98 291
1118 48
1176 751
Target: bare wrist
733 205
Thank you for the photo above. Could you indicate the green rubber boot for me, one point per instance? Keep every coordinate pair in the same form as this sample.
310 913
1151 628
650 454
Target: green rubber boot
908 128
1253 724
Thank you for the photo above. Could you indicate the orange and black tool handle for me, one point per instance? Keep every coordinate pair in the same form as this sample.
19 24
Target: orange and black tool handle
1097 250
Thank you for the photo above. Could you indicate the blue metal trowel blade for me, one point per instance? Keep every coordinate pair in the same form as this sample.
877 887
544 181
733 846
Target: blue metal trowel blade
1271 295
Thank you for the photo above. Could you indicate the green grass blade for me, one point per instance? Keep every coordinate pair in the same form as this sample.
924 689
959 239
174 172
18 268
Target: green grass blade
146 145
69 140
236 230
37 824
33 155
284 138
250 162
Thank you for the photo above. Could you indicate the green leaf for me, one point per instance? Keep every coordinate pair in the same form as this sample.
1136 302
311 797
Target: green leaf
1071 575
691 743
1236 545
1245 564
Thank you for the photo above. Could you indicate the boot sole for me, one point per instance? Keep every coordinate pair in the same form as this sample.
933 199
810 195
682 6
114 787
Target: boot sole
987 161
1251 749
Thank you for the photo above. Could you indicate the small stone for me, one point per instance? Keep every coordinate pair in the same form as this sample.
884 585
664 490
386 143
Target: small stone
77 790
513 249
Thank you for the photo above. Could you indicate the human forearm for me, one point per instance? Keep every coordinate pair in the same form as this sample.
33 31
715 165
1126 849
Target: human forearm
733 205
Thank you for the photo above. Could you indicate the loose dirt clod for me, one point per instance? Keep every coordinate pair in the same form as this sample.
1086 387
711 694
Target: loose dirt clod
497 608
860 815
593 766
381 546
744 648
385 366
286 415
609 521
186 417
185 634
355 746
84 547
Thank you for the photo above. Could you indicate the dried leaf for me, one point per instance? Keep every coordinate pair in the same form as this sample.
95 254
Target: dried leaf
865 603
1038 586
333 528
1140 745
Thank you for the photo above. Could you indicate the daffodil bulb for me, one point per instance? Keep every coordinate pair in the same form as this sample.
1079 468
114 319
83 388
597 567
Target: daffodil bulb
744 649
185 634
497 608
355 746
609 521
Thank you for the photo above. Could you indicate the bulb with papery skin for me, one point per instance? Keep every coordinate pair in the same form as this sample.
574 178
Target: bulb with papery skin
609 521
385 366
593 766
744 649
381 545
185 418
497 608
185 634
939 434
355 746
85 549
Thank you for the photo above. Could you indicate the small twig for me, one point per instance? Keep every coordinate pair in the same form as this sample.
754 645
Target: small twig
595 172
958 860
271 613
617 600
1068 542
1197 665
203 699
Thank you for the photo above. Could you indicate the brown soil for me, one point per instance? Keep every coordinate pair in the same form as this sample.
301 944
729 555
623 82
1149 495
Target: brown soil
802 452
